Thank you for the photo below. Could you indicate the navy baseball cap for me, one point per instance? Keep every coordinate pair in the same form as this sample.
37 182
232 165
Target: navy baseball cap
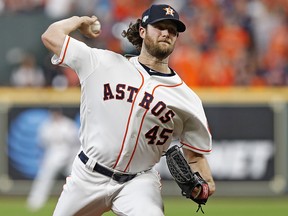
161 12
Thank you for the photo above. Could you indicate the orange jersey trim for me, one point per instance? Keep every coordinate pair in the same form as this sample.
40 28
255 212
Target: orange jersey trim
136 144
197 149
65 50
128 122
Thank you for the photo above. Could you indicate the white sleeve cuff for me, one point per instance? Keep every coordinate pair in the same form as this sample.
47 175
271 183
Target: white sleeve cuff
58 60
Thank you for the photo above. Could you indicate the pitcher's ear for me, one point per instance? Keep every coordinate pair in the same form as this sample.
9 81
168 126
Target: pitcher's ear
142 31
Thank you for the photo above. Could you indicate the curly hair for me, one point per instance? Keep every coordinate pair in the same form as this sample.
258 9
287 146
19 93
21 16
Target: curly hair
132 34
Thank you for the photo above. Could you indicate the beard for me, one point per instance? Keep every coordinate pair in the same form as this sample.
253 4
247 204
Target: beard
156 49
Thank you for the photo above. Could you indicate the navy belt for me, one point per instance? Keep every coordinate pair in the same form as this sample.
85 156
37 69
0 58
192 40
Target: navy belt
117 176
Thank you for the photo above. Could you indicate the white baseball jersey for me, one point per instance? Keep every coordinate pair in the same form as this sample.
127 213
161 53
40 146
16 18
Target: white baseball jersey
128 116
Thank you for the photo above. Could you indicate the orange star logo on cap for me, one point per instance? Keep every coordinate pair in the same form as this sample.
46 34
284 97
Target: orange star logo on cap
169 11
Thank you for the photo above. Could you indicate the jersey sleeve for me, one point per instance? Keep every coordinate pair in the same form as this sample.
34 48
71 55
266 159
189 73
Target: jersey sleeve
196 135
78 56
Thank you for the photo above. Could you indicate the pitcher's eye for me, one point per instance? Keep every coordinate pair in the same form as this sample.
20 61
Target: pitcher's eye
171 29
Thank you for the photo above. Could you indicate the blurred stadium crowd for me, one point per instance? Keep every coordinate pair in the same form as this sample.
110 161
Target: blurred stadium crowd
227 43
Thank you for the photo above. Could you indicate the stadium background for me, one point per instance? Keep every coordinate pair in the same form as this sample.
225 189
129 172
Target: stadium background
234 55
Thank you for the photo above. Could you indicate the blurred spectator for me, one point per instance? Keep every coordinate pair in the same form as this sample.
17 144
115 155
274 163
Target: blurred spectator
59 138
58 9
265 19
186 60
231 39
216 69
28 74
123 9
275 59
2 6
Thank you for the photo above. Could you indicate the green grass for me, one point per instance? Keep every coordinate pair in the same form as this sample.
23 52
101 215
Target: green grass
175 206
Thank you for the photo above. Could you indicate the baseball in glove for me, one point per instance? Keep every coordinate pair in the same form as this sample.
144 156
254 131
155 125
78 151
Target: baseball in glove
193 186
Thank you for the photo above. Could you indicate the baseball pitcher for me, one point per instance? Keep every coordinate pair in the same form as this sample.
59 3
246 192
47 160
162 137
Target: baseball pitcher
131 109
